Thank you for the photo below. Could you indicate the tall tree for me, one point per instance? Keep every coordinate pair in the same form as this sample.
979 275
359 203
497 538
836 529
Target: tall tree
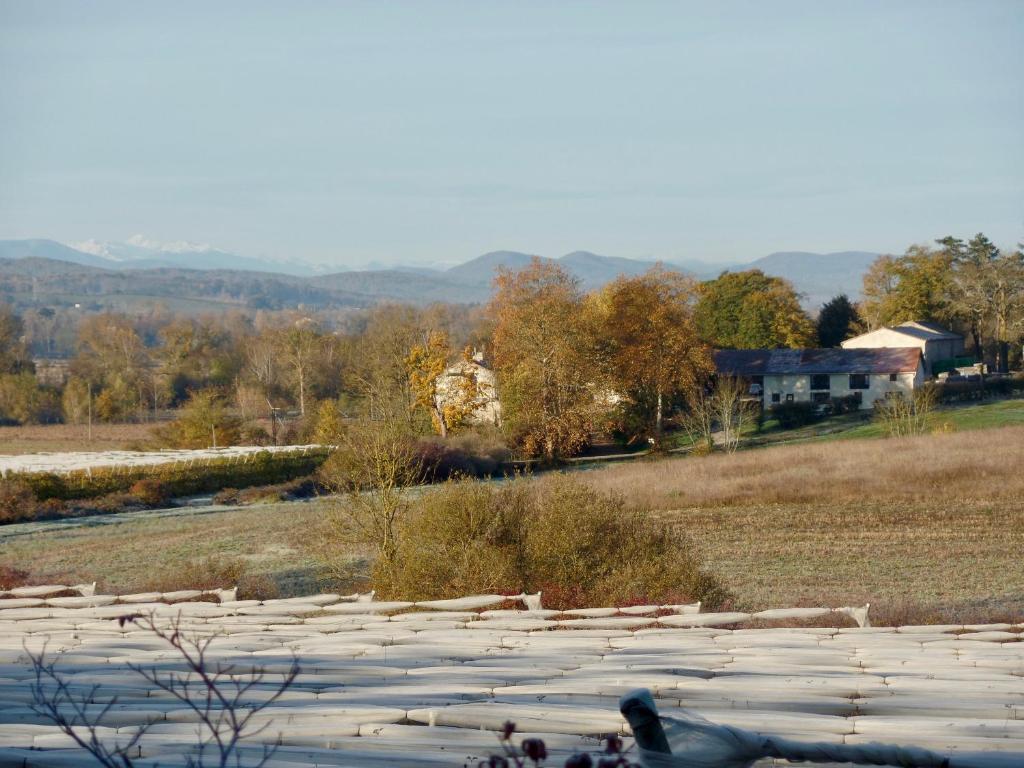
114 361
836 321
914 286
646 337
750 310
378 375
1007 304
299 346
14 357
543 360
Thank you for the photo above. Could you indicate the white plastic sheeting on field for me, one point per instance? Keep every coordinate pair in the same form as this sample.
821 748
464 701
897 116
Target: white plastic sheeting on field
64 463
407 684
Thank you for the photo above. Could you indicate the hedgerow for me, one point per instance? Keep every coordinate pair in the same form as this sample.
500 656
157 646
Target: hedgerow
175 479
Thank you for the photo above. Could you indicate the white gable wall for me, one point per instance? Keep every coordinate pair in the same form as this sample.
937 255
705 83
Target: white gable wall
933 350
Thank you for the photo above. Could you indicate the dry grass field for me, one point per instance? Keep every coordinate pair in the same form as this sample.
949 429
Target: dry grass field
39 438
142 551
967 466
930 526
926 529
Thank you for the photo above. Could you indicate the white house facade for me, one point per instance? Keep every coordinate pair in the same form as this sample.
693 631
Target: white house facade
821 375
449 388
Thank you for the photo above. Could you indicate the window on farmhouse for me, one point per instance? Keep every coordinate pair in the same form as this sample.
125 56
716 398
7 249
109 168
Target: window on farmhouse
776 397
859 381
789 397
893 377
820 381
820 397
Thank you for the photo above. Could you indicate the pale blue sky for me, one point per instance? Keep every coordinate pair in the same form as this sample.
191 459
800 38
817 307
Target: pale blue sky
347 132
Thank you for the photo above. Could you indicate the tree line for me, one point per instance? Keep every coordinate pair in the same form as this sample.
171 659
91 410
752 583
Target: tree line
626 360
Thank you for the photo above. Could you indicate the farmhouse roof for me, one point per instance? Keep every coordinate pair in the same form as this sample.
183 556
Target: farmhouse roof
760 362
916 330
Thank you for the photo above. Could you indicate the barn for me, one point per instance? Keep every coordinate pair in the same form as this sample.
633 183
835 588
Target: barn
938 346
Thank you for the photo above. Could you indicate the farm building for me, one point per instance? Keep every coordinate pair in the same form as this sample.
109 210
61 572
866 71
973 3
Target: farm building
942 349
820 375
450 388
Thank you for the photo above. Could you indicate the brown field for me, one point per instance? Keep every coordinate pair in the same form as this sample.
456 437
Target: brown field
929 527
983 465
39 438
143 552
926 529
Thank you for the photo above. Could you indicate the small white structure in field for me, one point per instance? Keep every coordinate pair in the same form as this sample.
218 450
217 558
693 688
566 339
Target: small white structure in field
450 388
820 375
936 343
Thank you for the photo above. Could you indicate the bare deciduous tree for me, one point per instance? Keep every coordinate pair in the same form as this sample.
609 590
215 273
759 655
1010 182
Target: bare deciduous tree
372 468
719 417
907 416
216 693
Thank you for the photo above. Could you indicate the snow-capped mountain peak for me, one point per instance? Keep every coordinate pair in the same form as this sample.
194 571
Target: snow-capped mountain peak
175 246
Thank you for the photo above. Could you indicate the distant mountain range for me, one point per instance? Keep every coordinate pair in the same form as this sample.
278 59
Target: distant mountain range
140 268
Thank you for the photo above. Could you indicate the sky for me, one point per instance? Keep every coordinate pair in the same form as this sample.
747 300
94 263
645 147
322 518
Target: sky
346 133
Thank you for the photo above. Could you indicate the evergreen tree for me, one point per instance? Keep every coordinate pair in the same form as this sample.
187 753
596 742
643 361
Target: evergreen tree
836 321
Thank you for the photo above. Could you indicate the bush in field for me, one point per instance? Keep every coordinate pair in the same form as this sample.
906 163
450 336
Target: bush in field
11 577
466 454
211 573
204 421
17 502
150 492
463 538
557 535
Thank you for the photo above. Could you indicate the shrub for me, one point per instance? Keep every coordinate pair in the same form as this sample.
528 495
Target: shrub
300 488
17 501
210 573
254 434
469 454
557 535
226 496
150 492
202 422
846 404
905 416
794 414
11 577
462 538
263 468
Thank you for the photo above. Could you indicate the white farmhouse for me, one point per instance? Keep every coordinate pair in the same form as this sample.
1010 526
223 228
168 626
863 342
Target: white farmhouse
820 375
450 388
937 344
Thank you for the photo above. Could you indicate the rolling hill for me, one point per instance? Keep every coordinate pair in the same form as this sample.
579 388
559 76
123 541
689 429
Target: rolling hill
33 271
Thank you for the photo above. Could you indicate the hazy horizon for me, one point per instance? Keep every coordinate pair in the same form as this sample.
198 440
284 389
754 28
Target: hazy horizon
413 134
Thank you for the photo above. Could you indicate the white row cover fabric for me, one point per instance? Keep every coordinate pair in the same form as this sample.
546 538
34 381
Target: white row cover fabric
696 742
64 463
421 685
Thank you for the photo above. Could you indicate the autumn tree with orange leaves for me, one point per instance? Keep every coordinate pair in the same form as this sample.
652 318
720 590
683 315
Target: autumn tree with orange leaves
450 397
652 357
544 360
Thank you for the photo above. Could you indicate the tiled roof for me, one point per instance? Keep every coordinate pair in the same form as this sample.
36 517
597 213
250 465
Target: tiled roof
915 330
760 362
927 330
